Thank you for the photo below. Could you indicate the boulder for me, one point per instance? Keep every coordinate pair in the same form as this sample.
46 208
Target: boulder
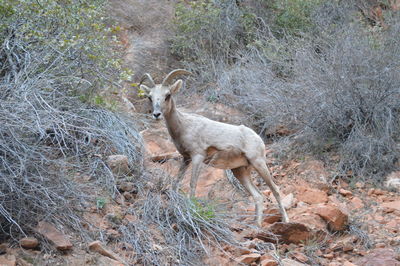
118 164
59 240
336 219
29 242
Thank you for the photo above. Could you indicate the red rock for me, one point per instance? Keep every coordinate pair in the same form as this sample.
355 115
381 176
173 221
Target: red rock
59 240
286 233
380 245
348 263
272 215
106 261
345 192
378 192
268 260
249 258
336 219
392 205
29 242
393 224
357 203
380 256
96 246
329 256
300 256
307 217
312 196
8 260
289 262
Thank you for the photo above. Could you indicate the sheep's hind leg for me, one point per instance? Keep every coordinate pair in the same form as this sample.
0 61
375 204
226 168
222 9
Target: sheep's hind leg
243 175
261 167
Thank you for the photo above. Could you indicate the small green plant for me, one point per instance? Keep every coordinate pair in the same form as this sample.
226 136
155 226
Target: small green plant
202 210
100 203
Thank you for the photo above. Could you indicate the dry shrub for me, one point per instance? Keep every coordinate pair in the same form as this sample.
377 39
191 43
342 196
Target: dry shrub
171 228
50 137
333 87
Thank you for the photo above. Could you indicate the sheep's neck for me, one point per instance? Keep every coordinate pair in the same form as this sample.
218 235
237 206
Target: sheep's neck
173 119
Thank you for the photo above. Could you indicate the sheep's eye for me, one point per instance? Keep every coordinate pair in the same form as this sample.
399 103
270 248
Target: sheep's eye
167 97
149 98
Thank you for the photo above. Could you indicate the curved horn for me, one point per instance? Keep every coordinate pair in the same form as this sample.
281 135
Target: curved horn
173 74
149 78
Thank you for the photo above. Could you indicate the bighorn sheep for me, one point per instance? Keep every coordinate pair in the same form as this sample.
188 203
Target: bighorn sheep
201 140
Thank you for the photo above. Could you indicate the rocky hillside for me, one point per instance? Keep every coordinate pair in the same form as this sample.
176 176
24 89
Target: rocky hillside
334 220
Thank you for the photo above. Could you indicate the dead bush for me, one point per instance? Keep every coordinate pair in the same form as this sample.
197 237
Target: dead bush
51 138
170 227
333 88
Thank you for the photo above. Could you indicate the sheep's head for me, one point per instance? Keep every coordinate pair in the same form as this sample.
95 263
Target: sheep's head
160 94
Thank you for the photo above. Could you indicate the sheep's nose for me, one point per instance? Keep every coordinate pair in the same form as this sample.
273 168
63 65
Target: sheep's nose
156 115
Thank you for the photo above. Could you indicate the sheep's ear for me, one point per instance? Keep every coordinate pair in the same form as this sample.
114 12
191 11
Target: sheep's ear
176 86
145 90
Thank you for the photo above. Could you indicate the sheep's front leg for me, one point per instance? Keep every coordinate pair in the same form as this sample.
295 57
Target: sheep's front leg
197 161
182 170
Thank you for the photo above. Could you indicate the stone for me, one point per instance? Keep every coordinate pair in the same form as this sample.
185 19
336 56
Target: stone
59 240
288 201
8 260
300 256
393 180
96 246
106 261
392 205
126 186
3 248
306 216
379 256
348 263
345 192
118 164
336 219
357 203
289 262
268 261
312 196
29 242
286 233
249 258
272 215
